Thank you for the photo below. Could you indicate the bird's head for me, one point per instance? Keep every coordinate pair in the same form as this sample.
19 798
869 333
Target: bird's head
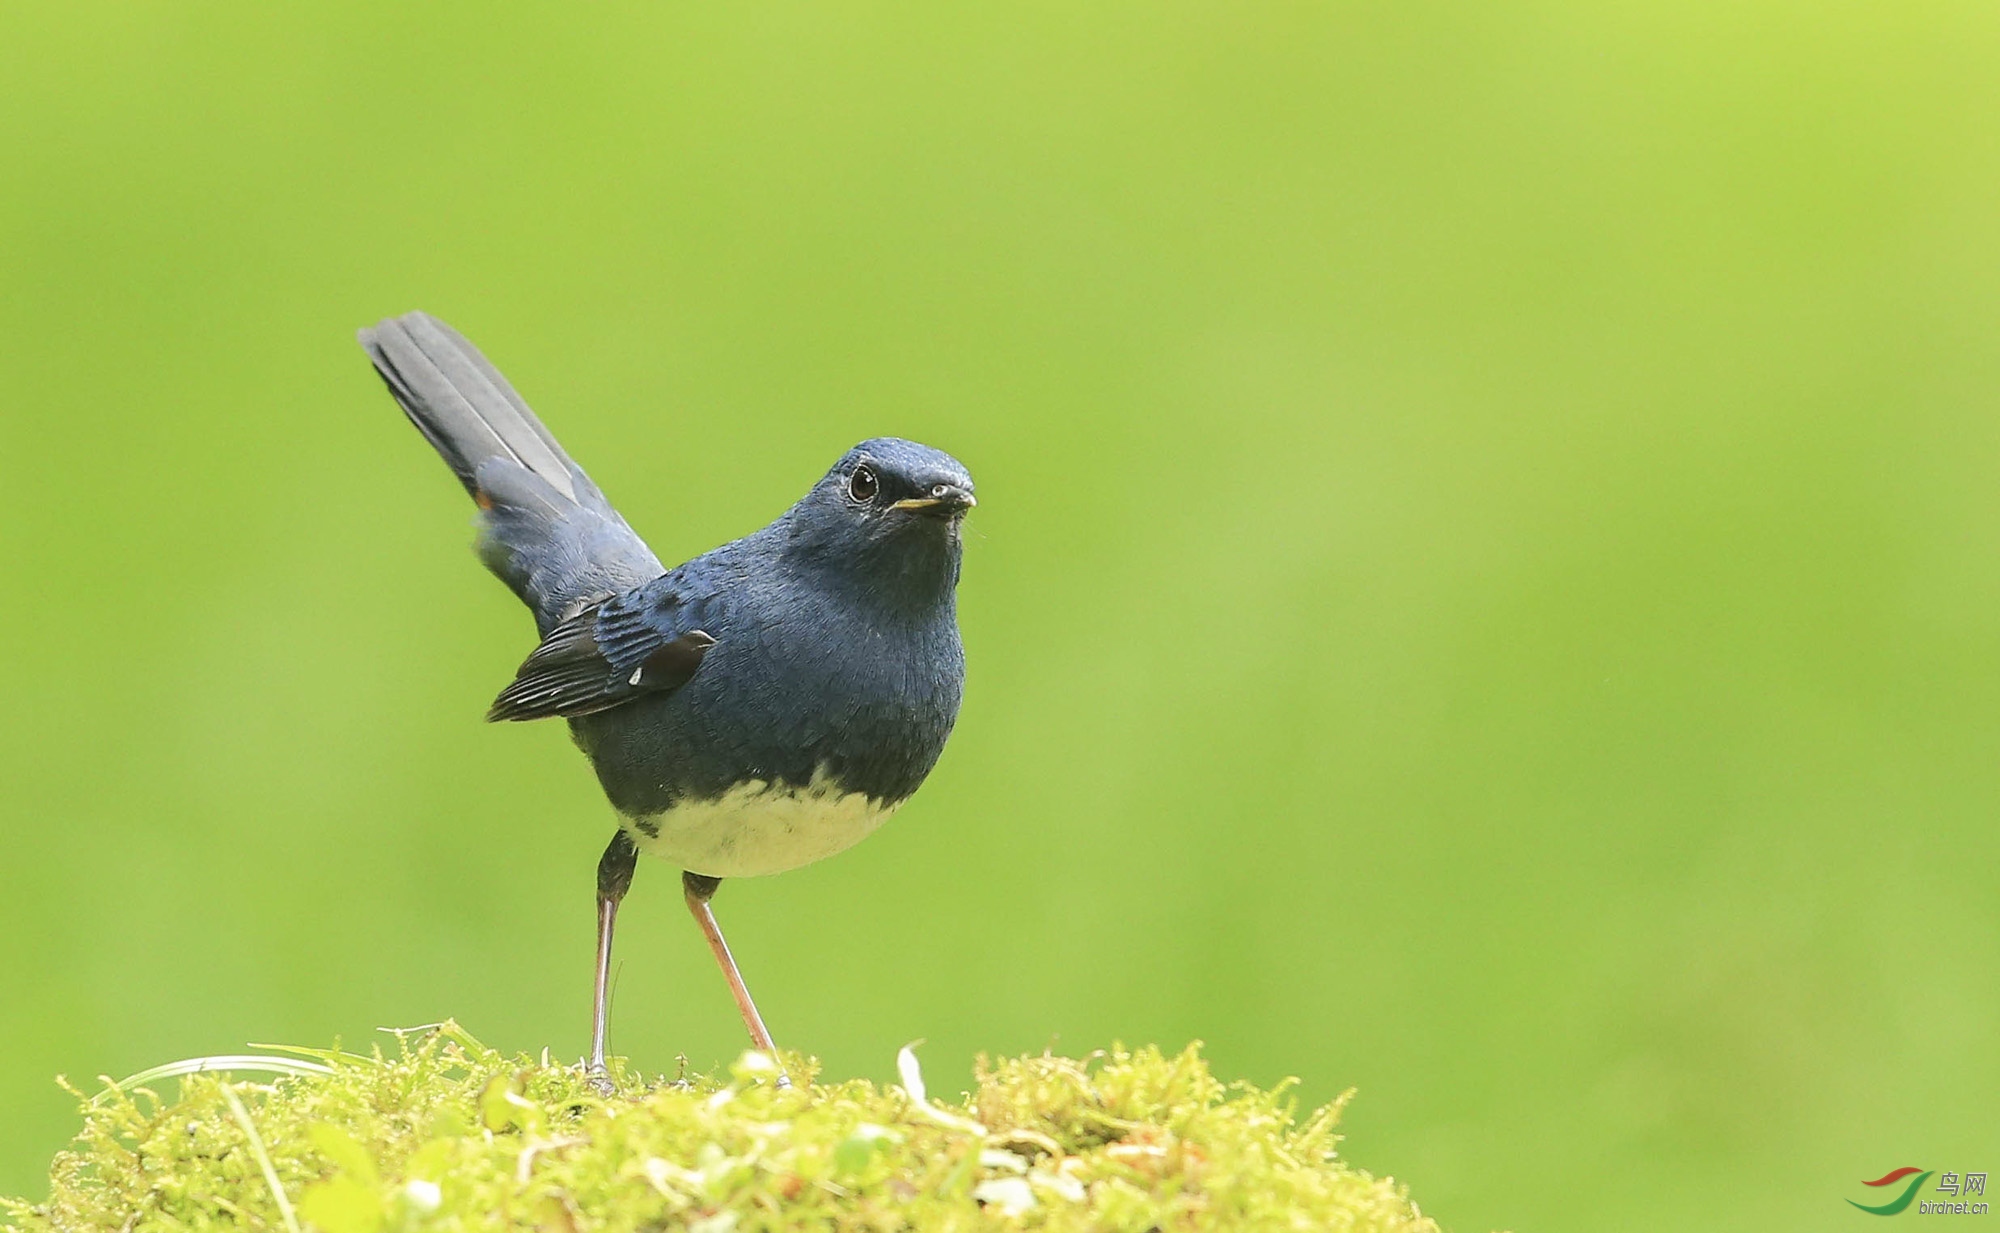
890 509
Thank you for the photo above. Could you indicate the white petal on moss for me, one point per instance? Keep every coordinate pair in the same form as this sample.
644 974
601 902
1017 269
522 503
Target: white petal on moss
913 1083
662 1172
911 1074
757 1064
1057 1183
994 1158
422 1195
1010 1194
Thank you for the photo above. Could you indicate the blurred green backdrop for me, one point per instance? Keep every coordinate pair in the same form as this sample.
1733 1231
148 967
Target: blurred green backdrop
1487 586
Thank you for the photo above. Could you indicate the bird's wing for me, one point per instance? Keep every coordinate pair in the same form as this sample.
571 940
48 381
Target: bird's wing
644 641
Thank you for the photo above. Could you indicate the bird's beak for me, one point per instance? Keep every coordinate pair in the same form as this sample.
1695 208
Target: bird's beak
941 502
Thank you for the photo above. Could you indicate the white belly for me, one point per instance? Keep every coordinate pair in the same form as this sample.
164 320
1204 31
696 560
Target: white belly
756 829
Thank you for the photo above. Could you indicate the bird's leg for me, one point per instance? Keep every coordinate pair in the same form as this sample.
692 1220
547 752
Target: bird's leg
614 878
699 889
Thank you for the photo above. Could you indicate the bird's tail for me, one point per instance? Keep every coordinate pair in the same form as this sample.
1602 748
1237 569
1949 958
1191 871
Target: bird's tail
545 529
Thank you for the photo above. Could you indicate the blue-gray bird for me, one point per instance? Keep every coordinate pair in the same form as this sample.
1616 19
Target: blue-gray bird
762 706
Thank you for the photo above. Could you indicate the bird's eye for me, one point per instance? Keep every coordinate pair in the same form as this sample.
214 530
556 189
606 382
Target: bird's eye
862 485
937 490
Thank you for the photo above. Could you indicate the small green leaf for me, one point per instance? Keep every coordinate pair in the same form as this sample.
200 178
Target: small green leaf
340 1147
853 1154
502 1107
342 1205
450 1123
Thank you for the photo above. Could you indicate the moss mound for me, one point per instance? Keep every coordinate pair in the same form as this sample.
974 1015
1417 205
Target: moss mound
444 1133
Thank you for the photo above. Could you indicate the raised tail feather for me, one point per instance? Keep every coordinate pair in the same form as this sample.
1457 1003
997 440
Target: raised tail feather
545 529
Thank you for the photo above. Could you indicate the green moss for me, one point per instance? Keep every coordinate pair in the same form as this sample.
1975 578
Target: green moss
443 1133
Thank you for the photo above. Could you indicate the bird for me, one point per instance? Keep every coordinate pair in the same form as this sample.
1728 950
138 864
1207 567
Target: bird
764 705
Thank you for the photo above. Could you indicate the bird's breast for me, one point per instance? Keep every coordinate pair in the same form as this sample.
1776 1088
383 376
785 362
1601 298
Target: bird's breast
806 722
758 827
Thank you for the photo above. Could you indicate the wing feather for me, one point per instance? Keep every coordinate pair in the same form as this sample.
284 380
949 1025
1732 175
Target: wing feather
605 656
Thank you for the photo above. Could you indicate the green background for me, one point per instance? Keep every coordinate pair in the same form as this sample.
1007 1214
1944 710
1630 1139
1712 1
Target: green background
1485 587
